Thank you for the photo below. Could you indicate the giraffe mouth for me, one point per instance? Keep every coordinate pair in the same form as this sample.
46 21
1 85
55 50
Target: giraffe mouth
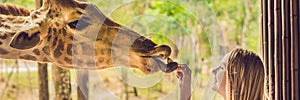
157 55
158 62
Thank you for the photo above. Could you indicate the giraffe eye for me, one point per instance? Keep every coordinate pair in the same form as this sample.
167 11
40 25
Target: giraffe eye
78 24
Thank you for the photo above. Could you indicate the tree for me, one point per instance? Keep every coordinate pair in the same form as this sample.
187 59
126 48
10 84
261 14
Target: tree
62 83
42 72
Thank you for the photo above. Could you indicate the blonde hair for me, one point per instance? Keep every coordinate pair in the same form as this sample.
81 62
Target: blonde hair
244 76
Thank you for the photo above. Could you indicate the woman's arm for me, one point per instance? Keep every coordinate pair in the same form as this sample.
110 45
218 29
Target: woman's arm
184 75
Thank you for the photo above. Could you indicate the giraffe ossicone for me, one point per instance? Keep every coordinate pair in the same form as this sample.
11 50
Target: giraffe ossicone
75 34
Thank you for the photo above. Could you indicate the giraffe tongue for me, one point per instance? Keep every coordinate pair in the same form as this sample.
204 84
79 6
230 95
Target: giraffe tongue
170 67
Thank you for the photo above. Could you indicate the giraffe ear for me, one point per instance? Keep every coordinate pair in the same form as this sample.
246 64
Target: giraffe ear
24 41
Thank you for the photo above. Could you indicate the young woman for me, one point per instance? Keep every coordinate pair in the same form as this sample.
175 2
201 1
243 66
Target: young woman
240 76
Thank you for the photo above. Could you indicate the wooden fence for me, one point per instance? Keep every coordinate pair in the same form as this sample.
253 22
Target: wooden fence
280 47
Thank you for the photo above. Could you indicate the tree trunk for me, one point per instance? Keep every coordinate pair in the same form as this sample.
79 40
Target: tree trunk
62 83
43 82
42 72
82 80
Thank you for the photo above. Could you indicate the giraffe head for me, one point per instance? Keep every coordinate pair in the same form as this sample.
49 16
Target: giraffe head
78 34
54 14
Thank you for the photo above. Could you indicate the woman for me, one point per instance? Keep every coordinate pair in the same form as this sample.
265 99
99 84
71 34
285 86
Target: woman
243 73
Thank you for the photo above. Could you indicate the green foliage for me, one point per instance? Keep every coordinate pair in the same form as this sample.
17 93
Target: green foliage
232 14
169 9
29 4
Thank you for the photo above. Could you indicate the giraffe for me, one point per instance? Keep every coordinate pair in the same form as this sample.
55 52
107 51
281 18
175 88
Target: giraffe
74 34
5 50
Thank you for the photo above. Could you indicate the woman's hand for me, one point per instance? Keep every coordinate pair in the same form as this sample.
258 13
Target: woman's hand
184 75
183 72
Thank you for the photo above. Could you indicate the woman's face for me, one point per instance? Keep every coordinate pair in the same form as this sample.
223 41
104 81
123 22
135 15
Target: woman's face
219 77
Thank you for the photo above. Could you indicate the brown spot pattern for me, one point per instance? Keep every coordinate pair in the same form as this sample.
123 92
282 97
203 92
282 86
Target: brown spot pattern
59 48
100 60
68 60
28 57
54 30
4 36
64 32
105 51
45 60
36 52
3 51
5 26
54 41
46 50
57 53
60 45
69 49
56 23
12 34
34 16
71 38
49 34
56 15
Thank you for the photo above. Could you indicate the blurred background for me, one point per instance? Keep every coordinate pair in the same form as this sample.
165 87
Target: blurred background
202 30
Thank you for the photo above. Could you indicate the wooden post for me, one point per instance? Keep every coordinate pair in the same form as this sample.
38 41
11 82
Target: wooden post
286 39
270 47
294 14
286 50
278 49
42 71
264 40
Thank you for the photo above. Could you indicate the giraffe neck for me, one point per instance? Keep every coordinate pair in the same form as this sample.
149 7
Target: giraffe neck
76 34
13 19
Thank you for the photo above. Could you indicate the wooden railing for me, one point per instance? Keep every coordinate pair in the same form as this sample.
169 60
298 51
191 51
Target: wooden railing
280 47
